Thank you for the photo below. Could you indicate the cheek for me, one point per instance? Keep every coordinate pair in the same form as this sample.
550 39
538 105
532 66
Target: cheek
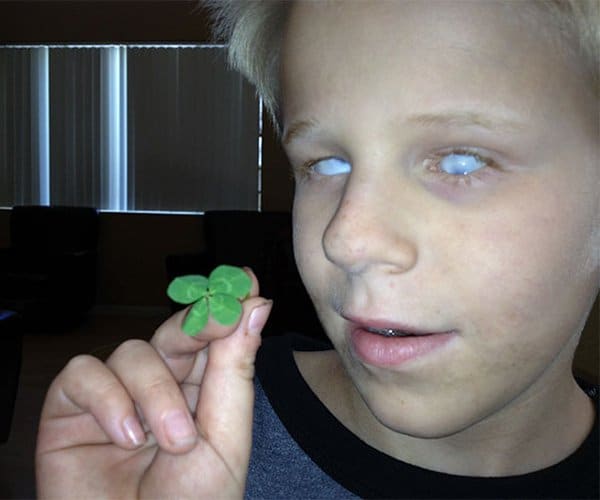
532 266
310 220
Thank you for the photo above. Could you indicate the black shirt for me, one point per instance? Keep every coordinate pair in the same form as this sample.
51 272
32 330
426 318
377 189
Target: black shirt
290 421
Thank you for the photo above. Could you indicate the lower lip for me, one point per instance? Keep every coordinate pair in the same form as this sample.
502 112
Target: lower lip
379 350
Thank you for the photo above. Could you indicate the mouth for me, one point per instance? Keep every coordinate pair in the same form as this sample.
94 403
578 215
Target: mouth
388 344
388 328
392 332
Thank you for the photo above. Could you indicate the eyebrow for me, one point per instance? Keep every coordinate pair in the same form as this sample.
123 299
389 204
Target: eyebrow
298 129
426 120
466 119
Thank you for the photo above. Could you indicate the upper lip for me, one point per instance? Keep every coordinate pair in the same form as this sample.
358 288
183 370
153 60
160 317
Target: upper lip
358 323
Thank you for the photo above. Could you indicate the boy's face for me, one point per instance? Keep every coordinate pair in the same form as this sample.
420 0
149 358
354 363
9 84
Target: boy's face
399 99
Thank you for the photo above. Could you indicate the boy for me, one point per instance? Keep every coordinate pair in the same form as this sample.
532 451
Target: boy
447 228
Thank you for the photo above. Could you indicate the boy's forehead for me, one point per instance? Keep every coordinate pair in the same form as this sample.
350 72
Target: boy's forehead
487 54
486 33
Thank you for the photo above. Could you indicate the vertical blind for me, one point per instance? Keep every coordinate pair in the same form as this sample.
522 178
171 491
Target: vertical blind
75 131
127 128
19 164
194 140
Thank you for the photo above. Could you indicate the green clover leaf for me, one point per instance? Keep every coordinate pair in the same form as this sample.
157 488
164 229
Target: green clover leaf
225 309
218 295
188 289
230 280
196 318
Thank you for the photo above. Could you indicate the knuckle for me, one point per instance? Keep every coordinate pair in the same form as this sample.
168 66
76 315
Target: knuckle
159 388
107 389
132 344
161 328
87 372
86 380
81 363
244 367
129 348
167 326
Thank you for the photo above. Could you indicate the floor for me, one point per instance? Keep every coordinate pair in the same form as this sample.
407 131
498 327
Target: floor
43 357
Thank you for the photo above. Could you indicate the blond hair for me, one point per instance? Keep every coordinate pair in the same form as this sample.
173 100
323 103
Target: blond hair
254 31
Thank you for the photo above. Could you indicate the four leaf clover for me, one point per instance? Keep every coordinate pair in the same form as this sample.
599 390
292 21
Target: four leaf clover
218 295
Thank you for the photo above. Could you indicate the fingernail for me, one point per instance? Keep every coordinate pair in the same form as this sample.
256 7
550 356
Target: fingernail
134 431
258 318
179 428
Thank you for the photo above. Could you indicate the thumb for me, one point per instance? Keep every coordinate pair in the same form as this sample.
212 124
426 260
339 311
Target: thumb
226 399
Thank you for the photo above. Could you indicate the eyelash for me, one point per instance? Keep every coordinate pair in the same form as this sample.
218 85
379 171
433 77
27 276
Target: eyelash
306 169
431 166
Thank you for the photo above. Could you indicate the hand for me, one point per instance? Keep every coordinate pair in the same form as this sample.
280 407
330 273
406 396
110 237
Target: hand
171 418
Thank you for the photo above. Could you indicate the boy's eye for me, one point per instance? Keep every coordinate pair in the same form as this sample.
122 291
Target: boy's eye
460 163
330 166
460 166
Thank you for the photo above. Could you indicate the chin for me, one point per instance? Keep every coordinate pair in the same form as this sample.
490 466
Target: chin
419 421
419 427
420 411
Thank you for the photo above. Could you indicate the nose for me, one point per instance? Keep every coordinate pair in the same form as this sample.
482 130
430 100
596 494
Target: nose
373 226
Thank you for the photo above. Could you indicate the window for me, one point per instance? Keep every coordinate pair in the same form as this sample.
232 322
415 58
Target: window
137 128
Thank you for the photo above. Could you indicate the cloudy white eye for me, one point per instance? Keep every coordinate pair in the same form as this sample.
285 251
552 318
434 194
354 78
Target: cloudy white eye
460 164
331 166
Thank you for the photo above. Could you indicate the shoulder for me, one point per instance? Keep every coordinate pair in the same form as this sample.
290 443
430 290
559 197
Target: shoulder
281 465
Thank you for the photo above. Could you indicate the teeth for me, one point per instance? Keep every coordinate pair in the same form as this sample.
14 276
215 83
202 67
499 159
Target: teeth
388 332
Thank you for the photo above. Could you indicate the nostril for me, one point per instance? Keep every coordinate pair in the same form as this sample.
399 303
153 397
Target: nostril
343 244
354 246
370 227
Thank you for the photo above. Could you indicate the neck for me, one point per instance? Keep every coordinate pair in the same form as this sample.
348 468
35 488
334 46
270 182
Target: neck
544 425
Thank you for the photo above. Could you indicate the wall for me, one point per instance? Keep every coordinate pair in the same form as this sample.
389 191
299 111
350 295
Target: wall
102 21
278 184
132 252
4 228
587 357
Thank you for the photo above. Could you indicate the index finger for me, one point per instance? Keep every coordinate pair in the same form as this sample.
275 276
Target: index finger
178 350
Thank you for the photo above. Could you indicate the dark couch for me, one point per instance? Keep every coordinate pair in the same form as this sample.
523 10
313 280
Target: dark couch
48 274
